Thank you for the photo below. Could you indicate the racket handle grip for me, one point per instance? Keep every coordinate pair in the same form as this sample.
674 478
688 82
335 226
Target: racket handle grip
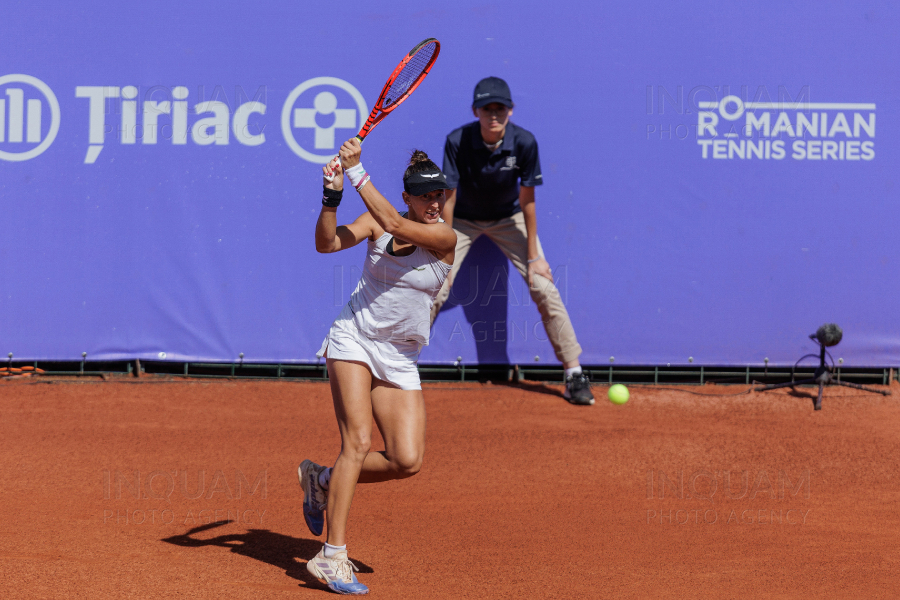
331 178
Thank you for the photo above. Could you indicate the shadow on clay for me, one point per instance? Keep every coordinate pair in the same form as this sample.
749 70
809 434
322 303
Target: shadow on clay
282 551
526 386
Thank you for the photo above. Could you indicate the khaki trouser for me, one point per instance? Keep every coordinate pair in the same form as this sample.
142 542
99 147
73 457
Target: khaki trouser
511 237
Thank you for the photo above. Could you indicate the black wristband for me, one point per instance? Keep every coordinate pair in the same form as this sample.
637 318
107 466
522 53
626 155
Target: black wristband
331 198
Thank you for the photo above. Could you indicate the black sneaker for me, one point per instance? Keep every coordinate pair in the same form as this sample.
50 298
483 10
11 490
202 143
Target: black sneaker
578 390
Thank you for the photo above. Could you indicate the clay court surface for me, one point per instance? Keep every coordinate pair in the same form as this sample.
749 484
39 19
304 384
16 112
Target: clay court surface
672 495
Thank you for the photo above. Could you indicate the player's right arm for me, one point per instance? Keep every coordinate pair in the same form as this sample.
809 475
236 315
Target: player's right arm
331 237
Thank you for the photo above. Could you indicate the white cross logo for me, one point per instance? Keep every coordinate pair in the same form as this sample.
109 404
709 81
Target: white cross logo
325 103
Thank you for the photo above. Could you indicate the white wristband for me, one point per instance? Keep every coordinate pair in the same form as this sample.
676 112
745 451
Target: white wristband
356 174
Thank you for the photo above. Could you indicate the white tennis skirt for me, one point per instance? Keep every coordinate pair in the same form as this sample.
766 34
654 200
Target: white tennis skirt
394 362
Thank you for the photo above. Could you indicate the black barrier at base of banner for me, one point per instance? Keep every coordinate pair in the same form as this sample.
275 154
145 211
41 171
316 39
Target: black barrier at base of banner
499 373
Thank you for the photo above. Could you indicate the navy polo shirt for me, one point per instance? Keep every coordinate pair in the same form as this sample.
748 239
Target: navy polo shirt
487 183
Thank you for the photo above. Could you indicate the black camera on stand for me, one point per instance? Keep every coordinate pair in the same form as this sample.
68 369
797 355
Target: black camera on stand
826 336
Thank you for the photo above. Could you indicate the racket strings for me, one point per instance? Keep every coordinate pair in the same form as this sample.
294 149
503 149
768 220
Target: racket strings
410 74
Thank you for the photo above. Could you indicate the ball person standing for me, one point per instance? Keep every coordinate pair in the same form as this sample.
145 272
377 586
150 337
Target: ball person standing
373 346
494 167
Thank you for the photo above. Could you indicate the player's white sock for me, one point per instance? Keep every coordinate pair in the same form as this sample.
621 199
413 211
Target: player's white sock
325 477
573 371
330 550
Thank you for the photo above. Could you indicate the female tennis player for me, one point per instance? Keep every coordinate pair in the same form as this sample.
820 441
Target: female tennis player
373 346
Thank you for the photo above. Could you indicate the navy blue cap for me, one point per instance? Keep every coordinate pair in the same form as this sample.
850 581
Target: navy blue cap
419 184
492 89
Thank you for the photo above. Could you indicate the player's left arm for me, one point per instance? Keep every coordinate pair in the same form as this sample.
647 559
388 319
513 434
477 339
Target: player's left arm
536 262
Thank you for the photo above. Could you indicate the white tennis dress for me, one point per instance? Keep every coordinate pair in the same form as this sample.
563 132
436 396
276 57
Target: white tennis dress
388 318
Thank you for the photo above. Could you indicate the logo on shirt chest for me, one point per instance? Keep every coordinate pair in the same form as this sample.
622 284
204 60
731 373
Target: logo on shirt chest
509 164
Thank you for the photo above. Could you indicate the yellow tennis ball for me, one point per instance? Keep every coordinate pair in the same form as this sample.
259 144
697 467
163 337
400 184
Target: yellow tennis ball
618 394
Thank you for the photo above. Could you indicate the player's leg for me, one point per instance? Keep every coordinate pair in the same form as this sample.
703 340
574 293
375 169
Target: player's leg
466 233
351 385
400 416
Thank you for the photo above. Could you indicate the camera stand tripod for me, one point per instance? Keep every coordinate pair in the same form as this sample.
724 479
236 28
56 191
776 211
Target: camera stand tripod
823 377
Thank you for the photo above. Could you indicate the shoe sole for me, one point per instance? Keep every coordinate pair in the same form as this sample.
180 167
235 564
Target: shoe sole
314 571
577 402
306 466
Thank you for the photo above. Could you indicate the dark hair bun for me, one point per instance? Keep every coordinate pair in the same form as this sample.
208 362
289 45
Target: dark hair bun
418 157
419 163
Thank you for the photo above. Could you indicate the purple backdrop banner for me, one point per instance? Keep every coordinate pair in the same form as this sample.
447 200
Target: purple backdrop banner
720 178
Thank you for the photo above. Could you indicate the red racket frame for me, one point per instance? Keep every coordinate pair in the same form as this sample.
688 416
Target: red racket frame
379 112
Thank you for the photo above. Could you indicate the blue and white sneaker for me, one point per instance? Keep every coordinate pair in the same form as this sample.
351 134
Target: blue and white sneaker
336 573
315 498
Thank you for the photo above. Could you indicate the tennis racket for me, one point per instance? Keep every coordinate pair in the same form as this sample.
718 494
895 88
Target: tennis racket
403 81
